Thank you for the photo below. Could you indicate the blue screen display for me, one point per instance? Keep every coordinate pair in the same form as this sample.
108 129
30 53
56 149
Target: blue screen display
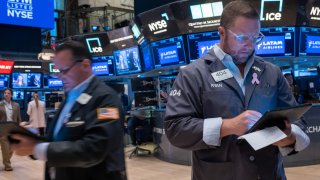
271 45
55 83
33 13
147 57
2 83
278 41
199 44
26 80
103 66
168 52
309 41
18 95
127 61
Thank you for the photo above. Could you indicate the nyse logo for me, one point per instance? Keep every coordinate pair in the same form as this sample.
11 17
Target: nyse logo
22 9
315 11
271 16
157 25
94 45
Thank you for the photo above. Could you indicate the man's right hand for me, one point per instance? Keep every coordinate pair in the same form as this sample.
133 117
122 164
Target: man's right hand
239 124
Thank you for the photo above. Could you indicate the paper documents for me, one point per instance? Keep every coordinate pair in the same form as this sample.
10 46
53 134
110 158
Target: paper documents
262 138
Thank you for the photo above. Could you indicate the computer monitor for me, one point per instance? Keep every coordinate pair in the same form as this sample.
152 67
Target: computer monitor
4 81
278 41
103 66
168 52
127 61
147 56
309 41
18 95
142 99
199 44
26 80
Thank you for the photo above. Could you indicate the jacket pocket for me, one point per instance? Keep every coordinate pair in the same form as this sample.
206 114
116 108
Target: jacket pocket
213 171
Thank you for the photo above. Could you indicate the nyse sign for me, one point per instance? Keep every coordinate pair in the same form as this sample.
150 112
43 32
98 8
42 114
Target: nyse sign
20 9
315 13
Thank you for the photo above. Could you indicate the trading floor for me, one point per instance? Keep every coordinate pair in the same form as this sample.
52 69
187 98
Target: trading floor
140 168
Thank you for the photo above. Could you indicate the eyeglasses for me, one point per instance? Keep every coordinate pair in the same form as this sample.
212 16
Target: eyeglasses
65 71
242 38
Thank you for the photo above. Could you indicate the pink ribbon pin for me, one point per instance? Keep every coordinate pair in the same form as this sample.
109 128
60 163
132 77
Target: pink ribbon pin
255 79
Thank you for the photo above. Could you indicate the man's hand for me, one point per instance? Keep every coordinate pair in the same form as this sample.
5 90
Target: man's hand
239 124
289 140
25 146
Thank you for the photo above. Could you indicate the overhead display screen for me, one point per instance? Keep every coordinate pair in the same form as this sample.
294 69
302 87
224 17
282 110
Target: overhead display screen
103 66
127 61
199 44
278 41
309 41
168 52
32 13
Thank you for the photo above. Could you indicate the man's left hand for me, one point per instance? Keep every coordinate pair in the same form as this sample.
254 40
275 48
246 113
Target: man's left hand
25 146
289 140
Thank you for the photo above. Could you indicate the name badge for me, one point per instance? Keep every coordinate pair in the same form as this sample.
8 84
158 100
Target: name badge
84 98
222 75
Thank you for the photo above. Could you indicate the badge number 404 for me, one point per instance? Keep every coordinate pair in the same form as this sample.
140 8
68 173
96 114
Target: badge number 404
175 93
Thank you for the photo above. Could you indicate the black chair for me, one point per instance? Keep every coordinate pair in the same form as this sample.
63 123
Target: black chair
138 149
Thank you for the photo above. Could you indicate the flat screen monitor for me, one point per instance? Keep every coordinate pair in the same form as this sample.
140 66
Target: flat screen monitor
303 73
278 41
145 99
147 57
168 52
127 61
199 44
4 81
55 83
18 95
103 66
26 80
309 41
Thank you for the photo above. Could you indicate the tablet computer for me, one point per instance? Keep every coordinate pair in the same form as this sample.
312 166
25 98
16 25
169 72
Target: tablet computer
7 128
276 117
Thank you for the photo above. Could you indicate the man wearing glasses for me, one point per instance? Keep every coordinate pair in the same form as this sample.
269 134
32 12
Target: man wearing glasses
86 137
223 94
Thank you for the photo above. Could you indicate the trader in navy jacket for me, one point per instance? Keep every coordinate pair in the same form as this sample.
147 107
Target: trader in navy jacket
86 137
215 99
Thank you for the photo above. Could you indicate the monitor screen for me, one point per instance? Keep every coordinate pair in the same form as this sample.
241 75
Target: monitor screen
18 95
54 83
147 57
145 99
278 41
26 80
4 81
305 72
103 66
168 52
127 61
309 41
199 44
27 13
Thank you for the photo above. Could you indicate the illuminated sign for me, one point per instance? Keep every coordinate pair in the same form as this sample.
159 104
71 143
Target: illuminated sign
27 13
159 26
52 69
6 67
206 10
270 16
55 83
168 55
94 45
315 13
100 68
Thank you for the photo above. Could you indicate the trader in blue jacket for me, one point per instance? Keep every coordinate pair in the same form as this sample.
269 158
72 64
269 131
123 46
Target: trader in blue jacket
85 141
215 99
